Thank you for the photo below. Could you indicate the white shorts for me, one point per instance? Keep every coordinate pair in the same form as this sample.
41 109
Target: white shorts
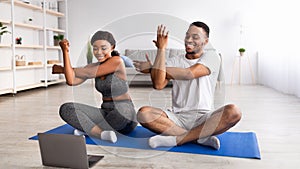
188 120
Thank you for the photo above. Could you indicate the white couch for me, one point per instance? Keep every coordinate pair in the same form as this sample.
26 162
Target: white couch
136 78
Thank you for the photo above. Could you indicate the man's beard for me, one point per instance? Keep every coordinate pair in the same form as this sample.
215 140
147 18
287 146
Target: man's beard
195 50
191 53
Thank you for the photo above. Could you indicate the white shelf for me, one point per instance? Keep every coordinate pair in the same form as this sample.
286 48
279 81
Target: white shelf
55 13
20 78
28 6
29 26
38 8
5 68
5 91
29 67
5 45
34 47
56 30
50 65
30 46
53 47
34 27
5 21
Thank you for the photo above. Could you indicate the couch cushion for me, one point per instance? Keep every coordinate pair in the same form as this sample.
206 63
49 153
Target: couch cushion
132 71
137 54
176 52
127 61
209 46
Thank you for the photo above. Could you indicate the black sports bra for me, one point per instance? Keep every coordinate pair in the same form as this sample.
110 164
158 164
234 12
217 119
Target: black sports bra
111 86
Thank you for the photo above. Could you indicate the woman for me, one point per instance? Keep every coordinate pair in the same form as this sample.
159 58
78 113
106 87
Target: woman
117 111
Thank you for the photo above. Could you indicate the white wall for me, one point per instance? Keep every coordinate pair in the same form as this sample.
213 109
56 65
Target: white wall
223 16
85 17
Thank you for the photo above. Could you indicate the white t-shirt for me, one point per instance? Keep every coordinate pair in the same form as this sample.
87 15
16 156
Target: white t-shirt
195 94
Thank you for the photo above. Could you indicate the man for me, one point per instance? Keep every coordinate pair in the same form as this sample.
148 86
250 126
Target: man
194 77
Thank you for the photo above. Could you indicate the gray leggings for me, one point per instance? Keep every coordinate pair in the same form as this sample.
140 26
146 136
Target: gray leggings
118 115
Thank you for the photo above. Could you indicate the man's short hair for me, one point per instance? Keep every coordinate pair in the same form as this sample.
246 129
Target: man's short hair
203 26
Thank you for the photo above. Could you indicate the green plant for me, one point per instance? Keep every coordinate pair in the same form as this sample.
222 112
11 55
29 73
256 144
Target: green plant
3 29
89 53
19 40
242 49
58 37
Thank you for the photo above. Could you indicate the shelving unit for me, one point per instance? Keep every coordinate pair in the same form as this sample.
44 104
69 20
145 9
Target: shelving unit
37 43
5 68
4 46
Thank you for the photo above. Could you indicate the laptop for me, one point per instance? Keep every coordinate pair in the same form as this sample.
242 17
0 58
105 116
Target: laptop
65 150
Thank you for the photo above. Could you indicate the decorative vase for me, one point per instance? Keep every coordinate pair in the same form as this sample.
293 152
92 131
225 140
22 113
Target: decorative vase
56 42
242 53
18 42
29 20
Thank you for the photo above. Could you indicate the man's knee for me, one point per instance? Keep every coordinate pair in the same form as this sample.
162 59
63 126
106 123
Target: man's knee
143 114
233 113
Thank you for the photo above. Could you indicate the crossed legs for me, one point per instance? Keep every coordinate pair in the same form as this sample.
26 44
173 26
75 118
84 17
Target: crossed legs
157 121
81 117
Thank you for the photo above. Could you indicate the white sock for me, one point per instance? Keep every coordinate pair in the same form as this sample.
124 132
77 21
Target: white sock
211 141
109 136
78 132
166 141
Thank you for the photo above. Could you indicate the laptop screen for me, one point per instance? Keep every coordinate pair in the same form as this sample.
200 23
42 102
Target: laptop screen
64 150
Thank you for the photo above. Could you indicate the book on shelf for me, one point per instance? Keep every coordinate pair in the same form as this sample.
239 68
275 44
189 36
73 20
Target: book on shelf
49 38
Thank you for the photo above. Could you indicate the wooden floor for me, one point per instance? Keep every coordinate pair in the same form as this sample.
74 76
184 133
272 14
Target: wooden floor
273 116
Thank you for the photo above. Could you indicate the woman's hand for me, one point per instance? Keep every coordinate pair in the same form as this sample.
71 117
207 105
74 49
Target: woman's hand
143 66
64 45
57 69
162 37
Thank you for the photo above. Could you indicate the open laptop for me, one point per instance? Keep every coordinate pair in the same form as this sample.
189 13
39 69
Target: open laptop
65 150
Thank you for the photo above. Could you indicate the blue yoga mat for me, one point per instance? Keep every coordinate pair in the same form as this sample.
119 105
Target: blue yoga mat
233 144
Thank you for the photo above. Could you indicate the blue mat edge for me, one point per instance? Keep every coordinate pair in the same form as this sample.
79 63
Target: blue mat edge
174 149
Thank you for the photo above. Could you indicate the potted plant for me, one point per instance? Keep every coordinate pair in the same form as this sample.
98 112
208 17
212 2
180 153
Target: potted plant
57 38
89 54
19 40
3 30
242 51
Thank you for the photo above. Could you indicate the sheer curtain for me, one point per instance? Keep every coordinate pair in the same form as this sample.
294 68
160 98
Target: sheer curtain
280 71
278 54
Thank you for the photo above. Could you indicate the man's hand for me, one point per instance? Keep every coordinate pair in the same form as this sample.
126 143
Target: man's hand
162 37
143 66
57 69
64 44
